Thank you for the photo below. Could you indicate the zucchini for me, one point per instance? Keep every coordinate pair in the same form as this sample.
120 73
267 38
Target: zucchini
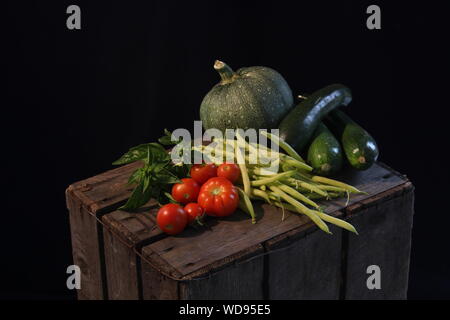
299 124
360 148
325 152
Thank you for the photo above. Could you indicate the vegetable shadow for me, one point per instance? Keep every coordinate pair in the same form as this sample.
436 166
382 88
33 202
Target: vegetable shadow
211 222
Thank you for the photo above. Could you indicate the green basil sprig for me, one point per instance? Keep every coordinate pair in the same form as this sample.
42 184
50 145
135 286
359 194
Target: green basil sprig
158 173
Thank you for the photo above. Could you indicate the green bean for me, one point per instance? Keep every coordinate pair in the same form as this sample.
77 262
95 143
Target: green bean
336 184
301 208
273 196
330 188
208 154
261 194
294 183
313 188
301 189
271 154
285 167
273 178
330 195
263 165
263 172
284 145
303 176
277 202
282 206
290 162
297 195
265 148
243 168
243 206
252 150
338 222
247 203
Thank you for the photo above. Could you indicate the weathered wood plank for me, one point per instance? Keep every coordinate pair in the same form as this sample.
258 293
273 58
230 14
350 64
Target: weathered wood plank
85 250
159 279
240 280
384 223
124 234
121 269
107 191
196 249
240 276
196 253
134 229
156 286
86 201
305 264
375 180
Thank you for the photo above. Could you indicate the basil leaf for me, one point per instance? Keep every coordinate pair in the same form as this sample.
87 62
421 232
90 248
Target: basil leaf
167 139
170 198
141 152
180 171
165 198
146 183
136 176
138 198
154 180
167 177
158 167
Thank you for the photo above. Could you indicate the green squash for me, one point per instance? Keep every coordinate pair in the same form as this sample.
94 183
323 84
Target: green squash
253 97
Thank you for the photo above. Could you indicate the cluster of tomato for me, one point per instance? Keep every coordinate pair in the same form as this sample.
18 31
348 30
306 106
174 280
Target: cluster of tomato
210 191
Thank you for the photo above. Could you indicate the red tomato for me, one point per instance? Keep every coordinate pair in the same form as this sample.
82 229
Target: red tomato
218 197
203 172
193 210
229 171
171 218
187 191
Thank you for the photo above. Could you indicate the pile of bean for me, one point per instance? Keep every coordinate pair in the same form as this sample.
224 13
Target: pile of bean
290 186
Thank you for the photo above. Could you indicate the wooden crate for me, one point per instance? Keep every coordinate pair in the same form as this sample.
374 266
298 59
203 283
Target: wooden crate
125 256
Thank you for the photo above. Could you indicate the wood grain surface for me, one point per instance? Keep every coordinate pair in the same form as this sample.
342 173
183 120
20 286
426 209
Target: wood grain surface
125 256
86 201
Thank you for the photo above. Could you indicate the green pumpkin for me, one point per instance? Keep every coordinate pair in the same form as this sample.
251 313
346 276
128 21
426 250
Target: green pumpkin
254 97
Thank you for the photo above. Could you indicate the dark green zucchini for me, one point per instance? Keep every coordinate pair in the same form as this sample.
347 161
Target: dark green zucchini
299 124
325 153
360 148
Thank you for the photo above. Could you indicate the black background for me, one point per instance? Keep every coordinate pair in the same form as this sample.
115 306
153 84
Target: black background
76 99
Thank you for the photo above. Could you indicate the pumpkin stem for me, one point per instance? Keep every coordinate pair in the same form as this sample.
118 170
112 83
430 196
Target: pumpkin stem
226 73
